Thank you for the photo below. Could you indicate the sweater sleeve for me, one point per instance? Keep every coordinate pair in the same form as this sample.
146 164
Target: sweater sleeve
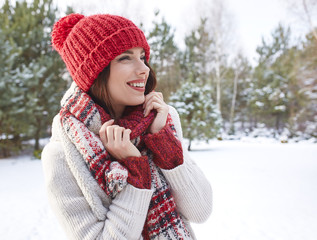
123 219
168 156
190 188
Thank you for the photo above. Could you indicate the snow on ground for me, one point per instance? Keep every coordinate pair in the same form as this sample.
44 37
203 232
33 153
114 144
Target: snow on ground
263 190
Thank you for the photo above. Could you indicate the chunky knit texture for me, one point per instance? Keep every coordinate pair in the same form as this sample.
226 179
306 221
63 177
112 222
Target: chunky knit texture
88 44
79 111
86 212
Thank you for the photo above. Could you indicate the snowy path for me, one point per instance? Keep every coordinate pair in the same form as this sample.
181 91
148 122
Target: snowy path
261 192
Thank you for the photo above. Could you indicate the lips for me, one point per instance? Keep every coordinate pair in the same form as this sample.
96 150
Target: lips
138 85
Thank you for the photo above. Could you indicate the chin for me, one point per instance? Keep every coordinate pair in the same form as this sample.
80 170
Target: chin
138 101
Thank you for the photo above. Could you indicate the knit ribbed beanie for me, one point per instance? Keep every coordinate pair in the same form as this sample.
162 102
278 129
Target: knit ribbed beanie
88 44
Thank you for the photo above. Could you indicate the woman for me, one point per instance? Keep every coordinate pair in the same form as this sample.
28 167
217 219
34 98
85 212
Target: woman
115 166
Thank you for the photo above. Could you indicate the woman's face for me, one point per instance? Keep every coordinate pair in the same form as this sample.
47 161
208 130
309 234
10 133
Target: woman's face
127 79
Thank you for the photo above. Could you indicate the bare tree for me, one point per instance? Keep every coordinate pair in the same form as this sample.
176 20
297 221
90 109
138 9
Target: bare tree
234 96
220 26
306 11
239 66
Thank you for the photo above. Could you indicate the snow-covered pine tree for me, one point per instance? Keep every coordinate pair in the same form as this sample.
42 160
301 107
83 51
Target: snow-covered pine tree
164 56
274 80
197 55
303 119
199 115
10 104
34 73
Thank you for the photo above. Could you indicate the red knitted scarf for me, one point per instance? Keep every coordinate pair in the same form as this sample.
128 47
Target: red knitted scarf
81 119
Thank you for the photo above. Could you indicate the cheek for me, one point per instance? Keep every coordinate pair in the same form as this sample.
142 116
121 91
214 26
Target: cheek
117 77
113 88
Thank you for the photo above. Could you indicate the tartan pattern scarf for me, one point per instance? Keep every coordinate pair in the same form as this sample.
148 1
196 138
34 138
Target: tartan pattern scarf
81 120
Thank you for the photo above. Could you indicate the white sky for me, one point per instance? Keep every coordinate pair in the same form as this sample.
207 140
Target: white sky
251 19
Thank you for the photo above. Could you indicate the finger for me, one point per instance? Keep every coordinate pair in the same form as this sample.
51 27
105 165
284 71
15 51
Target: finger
154 94
156 105
102 131
126 135
105 125
159 104
118 132
110 134
160 95
148 109
149 96
150 100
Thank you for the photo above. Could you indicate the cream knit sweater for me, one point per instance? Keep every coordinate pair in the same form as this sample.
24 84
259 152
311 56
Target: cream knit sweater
86 212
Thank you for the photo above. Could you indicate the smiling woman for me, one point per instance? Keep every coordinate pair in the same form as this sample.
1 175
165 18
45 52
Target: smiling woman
115 167
128 74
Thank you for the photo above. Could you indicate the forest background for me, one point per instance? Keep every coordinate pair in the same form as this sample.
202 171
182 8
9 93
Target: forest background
218 91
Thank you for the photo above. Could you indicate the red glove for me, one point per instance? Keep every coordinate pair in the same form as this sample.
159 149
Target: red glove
139 172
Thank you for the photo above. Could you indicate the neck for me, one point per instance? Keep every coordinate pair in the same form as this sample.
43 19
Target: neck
118 111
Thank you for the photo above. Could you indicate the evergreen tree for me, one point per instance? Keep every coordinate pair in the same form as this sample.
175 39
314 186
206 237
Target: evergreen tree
193 100
33 80
197 55
303 117
273 78
10 104
199 116
164 57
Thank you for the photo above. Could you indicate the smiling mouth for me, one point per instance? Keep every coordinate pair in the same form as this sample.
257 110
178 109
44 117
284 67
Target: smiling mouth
137 85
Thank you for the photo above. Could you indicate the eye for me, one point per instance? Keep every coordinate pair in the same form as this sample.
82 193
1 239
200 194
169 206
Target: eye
142 58
126 57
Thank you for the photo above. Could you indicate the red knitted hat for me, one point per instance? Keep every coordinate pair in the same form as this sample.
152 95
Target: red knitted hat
88 44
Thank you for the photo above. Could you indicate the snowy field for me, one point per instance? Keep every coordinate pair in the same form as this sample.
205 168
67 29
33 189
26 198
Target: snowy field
263 190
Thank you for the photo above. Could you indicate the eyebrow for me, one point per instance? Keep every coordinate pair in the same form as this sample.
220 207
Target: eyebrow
131 52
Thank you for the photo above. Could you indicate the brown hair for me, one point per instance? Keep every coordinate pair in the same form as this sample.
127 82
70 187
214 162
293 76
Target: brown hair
99 90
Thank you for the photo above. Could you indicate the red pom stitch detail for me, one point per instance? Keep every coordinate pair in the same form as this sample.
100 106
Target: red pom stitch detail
62 28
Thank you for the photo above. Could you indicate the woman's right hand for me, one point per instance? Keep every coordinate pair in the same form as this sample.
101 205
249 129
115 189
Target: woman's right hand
117 142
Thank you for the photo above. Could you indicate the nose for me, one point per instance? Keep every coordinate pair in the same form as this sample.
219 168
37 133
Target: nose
141 68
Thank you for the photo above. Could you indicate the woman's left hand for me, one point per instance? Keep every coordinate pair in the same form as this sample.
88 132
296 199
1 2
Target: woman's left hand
154 100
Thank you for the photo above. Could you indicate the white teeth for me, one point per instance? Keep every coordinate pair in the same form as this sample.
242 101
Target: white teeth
137 84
